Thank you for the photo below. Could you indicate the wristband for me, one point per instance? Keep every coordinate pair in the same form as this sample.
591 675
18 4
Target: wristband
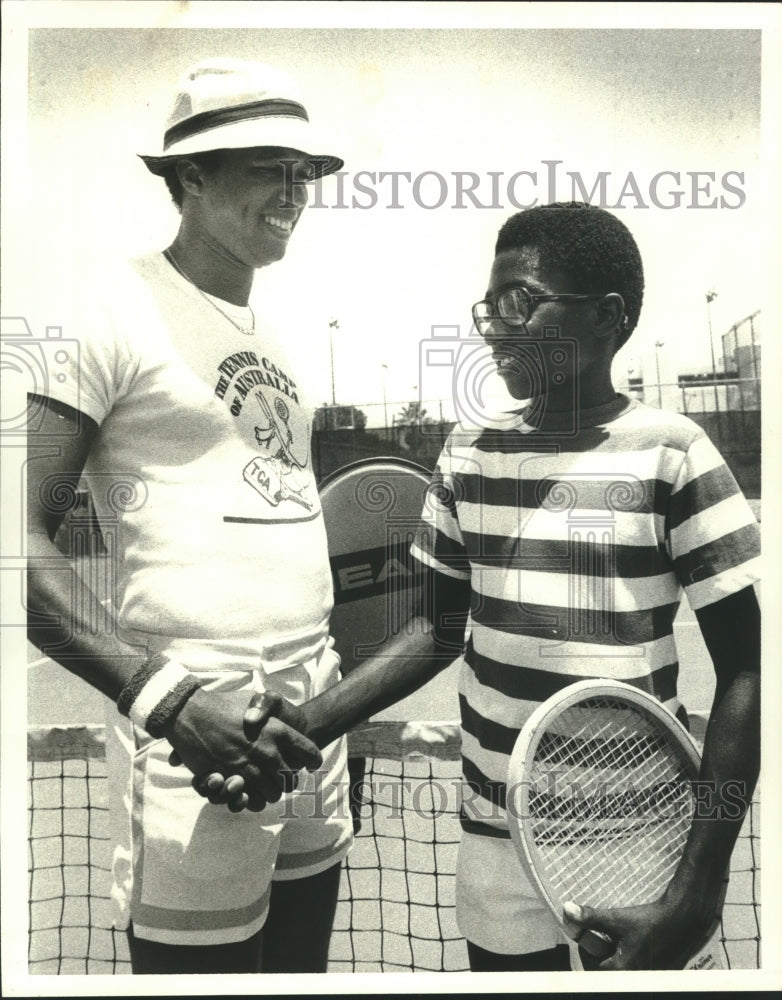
156 694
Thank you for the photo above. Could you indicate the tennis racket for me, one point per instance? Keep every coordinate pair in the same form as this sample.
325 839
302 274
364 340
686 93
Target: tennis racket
600 802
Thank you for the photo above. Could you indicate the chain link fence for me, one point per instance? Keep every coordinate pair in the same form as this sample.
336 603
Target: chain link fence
728 410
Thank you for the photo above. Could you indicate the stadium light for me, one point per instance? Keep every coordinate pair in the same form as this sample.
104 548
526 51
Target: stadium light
657 345
710 295
333 325
384 366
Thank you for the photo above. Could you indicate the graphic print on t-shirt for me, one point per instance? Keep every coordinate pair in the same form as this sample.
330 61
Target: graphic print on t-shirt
264 401
275 473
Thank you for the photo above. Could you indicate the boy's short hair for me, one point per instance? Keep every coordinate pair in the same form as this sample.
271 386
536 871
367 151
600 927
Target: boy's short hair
589 244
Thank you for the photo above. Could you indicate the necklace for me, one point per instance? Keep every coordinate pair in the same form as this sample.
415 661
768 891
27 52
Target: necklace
211 299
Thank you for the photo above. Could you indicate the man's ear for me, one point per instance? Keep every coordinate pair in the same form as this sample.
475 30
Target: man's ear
610 313
191 177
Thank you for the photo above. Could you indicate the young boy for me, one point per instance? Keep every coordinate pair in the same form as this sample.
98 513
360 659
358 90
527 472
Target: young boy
564 533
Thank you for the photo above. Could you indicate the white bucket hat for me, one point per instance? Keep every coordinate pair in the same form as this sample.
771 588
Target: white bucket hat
236 104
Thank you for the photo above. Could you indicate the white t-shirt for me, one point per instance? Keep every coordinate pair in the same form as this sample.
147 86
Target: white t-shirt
201 472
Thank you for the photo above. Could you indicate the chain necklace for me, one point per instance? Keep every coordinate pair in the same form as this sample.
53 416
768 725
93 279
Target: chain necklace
208 298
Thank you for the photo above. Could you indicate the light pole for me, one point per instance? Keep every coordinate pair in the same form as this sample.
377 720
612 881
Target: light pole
709 296
657 345
384 366
333 325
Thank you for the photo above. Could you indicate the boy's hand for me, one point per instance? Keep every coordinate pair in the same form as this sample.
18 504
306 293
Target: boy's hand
231 791
266 704
252 762
652 936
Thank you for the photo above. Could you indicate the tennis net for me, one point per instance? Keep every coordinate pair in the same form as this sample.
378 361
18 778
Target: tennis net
396 907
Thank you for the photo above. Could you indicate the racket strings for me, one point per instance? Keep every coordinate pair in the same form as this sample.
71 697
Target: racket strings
610 805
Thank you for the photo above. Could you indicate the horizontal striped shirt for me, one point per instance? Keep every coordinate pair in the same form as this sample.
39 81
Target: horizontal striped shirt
578 547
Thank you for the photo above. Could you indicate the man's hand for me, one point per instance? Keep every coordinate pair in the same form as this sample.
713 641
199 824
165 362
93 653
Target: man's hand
240 764
656 935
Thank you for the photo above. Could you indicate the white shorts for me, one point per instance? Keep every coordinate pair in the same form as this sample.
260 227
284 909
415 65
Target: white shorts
496 907
189 872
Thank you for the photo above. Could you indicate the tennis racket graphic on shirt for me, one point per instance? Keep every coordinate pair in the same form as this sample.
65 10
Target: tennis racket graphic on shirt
600 802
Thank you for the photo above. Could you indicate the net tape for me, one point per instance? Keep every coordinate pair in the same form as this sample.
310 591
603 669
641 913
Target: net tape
396 907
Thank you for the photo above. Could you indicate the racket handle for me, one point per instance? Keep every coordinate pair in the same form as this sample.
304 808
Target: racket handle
597 944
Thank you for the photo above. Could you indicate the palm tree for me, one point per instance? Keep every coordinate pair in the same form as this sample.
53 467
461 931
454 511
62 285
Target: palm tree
413 414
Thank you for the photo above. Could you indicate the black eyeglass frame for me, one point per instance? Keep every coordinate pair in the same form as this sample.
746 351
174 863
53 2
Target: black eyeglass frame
519 317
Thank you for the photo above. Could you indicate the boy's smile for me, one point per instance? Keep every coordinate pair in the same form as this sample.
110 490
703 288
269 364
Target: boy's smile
554 353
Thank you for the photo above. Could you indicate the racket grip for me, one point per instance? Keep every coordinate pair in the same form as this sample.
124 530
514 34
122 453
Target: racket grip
597 944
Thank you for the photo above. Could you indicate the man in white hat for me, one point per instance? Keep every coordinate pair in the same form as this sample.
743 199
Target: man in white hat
219 550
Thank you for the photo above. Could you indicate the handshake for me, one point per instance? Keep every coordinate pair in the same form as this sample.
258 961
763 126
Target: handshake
242 755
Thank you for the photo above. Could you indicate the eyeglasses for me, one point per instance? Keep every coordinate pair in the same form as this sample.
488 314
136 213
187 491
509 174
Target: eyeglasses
515 305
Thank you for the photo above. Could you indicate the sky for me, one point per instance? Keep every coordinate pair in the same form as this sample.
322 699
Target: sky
632 104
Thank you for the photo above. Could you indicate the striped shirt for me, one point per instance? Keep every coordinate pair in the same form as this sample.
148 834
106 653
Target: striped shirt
577 548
